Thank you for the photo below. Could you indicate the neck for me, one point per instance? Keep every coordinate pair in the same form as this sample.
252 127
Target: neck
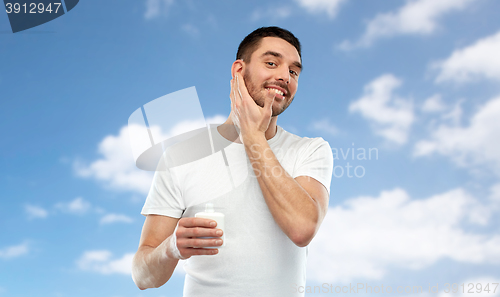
228 129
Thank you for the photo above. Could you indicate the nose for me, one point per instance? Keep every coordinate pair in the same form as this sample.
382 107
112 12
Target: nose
283 75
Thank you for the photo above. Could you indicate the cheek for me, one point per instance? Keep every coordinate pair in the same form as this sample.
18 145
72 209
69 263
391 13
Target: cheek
293 88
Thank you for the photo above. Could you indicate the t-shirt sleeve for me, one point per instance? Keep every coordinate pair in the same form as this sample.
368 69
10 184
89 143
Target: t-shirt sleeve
165 197
316 161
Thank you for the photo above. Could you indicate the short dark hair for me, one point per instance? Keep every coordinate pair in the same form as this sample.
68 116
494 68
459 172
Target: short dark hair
252 41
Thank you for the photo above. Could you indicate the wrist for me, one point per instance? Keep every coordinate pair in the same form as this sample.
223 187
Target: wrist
251 139
170 250
168 245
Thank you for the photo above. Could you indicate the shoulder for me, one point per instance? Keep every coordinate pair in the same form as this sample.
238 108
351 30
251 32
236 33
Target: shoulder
300 143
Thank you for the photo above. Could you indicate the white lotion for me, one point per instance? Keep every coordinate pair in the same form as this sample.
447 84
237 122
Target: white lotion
209 213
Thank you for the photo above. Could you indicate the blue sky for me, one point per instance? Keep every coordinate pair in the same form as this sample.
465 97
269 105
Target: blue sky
415 81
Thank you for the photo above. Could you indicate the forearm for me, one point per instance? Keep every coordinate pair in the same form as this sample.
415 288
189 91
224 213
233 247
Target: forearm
294 210
153 267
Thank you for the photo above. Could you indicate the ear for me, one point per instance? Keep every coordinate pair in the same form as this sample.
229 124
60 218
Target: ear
237 67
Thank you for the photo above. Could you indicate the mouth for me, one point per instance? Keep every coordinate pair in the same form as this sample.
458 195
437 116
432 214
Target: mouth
279 91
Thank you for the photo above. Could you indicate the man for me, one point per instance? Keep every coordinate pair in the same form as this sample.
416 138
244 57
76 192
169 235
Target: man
271 217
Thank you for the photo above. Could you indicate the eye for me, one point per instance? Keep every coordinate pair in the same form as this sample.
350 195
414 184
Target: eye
271 63
294 73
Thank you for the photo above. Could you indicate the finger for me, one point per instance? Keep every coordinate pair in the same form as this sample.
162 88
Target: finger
197 222
235 101
236 120
243 91
238 85
235 117
199 232
268 104
233 86
198 252
234 108
231 94
198 242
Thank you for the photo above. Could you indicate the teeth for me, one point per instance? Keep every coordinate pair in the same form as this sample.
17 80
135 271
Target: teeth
276 91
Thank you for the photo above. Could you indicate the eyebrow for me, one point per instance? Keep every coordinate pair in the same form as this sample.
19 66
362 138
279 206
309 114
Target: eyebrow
278 55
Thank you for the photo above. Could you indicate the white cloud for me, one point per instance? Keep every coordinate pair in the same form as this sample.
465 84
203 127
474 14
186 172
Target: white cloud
101 261
77 206
470 146
366 236
479 60
433 104
115 218
117 167
478 286
271 13
155 8
14 251
35 212
390 116
454 115
325 126
415 17
330 7
495 193
186 126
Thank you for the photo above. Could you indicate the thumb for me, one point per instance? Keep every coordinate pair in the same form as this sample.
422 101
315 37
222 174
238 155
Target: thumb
268 104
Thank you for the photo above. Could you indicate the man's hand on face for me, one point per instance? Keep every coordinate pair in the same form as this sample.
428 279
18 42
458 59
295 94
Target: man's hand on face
186 241
250 118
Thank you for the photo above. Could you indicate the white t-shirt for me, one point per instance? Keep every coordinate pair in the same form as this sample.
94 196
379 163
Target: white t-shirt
258 259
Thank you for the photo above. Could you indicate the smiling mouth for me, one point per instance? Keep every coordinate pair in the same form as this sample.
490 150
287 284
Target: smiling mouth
276 91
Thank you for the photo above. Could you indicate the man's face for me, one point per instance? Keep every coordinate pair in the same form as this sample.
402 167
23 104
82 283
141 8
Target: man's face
275 66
